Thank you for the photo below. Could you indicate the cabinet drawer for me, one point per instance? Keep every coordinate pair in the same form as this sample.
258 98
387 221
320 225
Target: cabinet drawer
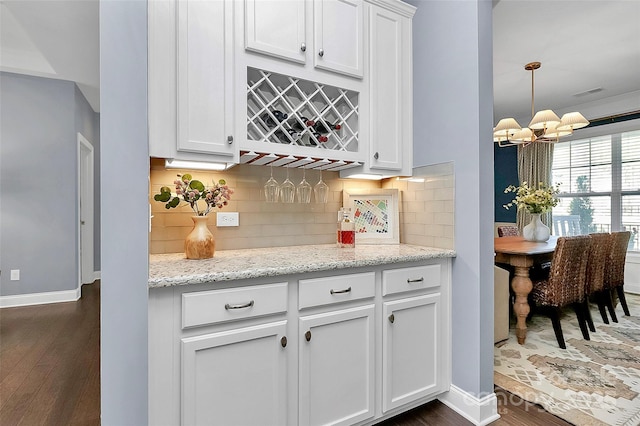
341 288
207 307
407 279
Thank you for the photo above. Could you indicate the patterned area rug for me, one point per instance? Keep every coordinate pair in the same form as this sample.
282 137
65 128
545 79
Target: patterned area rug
594 382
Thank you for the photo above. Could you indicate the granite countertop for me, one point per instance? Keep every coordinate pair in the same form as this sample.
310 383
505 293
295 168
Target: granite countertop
174 269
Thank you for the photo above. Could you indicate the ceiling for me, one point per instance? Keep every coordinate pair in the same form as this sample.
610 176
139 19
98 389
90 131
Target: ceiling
55 39
589 50
584 46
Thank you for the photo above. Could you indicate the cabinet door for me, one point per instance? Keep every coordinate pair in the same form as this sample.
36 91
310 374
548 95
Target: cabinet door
338 36
336 371
236 377
390 93
205 76
276 28
411 348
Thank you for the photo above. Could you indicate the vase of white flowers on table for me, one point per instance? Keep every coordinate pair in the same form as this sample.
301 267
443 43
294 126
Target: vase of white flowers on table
536 200
199 244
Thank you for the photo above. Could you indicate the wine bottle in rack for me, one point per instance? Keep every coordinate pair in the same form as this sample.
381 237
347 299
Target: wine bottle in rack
295 136
279 115
283 138
320 138
324 128
301 127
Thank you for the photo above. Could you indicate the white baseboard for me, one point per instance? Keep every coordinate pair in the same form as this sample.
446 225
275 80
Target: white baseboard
479 411
39 298
632 288
96 275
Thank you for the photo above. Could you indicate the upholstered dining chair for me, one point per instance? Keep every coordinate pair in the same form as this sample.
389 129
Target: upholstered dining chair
614 274
596 264
508 231
566 284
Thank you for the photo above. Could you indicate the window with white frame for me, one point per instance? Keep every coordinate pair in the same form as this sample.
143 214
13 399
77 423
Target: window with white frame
599 183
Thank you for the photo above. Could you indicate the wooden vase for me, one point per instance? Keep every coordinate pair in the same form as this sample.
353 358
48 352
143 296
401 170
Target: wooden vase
199 244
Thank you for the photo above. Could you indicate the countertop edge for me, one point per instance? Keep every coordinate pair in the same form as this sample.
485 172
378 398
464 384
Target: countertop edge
419 253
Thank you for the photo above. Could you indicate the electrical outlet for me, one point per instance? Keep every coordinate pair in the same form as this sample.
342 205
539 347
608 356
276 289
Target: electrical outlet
228 219
15 274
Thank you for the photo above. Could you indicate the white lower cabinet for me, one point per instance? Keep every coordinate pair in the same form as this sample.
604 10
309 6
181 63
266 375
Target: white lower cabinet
410 354
336 348
336 373
236 377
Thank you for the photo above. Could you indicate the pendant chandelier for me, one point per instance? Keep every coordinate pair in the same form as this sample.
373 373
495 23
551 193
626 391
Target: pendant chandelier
545 126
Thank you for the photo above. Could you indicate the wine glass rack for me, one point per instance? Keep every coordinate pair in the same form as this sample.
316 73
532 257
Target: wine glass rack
292 111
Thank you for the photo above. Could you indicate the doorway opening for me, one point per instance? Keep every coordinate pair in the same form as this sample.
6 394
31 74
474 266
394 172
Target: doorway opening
86 274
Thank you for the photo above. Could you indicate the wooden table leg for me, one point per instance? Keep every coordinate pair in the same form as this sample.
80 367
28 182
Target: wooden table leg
522 286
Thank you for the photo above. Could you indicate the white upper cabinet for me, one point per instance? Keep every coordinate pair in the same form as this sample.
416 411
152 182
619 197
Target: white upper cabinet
338 36
277 28
387 81
205 76
191 80
390 89
216 67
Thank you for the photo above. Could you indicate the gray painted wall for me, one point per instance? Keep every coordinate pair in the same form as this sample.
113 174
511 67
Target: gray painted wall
39 118
453 95
125 213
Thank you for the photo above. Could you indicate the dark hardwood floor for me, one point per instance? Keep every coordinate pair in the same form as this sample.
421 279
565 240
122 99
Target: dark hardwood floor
50 362
513 410
50 372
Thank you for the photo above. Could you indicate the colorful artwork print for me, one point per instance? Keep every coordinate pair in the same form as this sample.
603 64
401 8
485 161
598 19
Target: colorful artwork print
371 216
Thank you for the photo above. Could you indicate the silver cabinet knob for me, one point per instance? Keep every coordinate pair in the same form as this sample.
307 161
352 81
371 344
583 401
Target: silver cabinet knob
303 47
321 53
230 139
376 155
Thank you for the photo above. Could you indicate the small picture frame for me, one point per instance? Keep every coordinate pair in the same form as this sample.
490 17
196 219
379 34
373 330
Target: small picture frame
375 213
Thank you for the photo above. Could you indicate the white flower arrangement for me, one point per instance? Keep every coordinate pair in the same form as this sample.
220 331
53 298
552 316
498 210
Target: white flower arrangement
538 199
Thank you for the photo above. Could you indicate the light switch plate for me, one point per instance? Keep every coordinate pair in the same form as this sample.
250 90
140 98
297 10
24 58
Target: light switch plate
228 219
15 274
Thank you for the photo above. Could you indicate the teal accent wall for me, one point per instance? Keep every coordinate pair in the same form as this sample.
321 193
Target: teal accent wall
505 162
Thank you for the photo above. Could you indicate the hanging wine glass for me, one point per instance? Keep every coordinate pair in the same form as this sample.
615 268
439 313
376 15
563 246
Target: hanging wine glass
304 189
271 189
321 190
287 190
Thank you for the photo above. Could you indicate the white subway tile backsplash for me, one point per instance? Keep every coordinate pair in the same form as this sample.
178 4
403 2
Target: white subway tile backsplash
426 209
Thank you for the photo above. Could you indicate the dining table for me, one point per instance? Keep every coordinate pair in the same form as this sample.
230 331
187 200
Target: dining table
522 255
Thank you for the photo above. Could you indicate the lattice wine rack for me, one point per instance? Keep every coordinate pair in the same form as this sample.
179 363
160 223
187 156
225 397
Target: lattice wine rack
321 119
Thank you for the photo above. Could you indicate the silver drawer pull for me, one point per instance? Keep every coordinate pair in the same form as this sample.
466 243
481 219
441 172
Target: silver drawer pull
340 291
244 305
418 280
